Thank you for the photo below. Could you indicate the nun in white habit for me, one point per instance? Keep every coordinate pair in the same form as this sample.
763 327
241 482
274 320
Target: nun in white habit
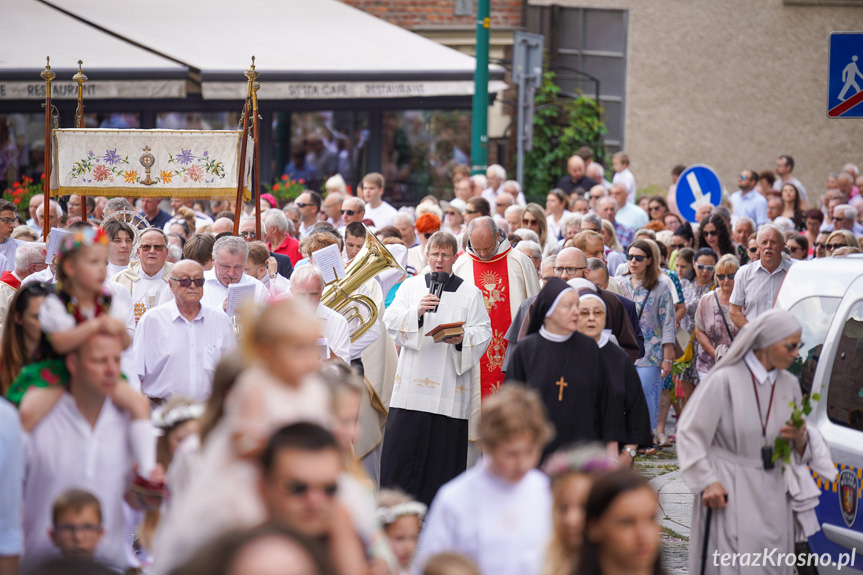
726 431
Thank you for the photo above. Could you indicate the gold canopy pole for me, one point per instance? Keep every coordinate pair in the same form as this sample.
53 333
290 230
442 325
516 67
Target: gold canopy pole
256 190
80 78
48 75
244 145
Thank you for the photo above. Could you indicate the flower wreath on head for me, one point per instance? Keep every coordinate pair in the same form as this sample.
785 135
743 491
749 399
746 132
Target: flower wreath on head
388 515
165 419
585 459
83 238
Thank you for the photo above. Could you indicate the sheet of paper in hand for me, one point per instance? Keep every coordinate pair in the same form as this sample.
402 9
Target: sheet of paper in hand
55 239
239 295
329 261
446 330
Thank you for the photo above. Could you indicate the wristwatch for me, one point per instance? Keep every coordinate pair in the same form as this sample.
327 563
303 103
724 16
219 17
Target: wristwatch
630 451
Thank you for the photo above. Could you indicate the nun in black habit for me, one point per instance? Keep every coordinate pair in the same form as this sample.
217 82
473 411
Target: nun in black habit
568 371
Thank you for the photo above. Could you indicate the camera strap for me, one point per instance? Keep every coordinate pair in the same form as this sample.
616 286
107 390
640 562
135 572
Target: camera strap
764 421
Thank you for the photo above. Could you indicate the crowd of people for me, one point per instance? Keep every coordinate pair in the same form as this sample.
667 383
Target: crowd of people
183 400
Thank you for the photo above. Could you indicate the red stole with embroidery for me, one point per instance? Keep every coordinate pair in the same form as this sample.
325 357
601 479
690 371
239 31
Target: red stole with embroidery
492 279
10 280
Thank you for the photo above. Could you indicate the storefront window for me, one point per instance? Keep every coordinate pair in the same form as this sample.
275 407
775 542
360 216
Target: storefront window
197 120
420 149
113 121
313 146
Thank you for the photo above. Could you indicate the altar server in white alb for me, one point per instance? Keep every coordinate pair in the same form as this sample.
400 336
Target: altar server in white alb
426 438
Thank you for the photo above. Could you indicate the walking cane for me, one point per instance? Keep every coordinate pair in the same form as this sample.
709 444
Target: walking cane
706 537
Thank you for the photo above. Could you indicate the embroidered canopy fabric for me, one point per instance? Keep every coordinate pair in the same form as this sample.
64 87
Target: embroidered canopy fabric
149 163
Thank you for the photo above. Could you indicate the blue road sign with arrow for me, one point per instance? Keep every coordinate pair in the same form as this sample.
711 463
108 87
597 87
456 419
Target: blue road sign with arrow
697 185
845 75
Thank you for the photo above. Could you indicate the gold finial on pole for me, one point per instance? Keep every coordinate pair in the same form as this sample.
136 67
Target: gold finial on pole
80 78
48 74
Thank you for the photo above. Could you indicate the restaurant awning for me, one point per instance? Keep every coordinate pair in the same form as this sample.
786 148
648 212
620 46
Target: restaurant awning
305 49
30 31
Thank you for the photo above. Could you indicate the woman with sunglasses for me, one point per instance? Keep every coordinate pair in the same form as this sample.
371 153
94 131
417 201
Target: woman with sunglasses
798 246
655 308
819 246
714 329
657 209
22 333
714 234
534 219
840 239
791 208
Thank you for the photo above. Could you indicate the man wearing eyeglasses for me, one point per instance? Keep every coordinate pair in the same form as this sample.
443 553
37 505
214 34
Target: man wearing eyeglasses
434 396
746 201
309 204
147 278
300 485
202 333
8 246
506 277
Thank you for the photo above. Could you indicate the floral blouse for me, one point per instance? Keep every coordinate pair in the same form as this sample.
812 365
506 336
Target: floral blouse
657 319
692 293
708 318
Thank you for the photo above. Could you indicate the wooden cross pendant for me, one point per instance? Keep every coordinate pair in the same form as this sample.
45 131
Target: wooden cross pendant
561 384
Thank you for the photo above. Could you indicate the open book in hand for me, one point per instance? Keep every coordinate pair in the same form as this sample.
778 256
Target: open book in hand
446 330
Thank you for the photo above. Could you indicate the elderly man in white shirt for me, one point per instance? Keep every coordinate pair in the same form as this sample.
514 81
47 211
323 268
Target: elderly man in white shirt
229 265
83 442
307 285
178 344
757 284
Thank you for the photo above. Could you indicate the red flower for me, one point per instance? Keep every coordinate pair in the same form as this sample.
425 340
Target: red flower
16 185
43 176
302 181
284 178
16 201
277 187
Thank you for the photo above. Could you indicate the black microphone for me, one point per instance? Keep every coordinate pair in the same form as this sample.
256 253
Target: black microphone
437 281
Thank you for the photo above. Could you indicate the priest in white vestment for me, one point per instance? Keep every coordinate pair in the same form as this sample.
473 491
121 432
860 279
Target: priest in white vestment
425 443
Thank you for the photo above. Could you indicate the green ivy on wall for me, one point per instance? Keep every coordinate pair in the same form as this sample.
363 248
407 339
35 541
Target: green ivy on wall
560 127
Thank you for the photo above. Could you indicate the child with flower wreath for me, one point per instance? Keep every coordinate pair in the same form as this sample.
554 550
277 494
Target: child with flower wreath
79 309
401 518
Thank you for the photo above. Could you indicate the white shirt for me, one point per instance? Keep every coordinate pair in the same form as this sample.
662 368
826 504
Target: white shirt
64 452
755 289
335 329
175 356
149 292
114 269
758 370
491 196
7 250
11 477
504 527
626 178
632 216
384 215
215 293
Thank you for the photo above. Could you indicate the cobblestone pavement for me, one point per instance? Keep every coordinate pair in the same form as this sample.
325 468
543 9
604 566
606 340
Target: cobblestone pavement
663 472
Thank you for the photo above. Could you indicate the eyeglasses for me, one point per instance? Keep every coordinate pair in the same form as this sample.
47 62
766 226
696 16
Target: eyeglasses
186 282
703 268
427 235
348 212
301 205
450 213
8 221
838 219
471 212
831 247
152 247
753 250
67 529
723 277
593 313
569 271
248 234
793 346
678 246
794 249
300 488
654 208
631 257
744 177
442 257
711 233
528 222
817 245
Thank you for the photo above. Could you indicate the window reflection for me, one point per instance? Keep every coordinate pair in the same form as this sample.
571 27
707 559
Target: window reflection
845 396
814 315
197 120
420 149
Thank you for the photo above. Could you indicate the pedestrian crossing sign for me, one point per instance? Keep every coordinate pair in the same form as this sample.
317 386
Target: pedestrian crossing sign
845 76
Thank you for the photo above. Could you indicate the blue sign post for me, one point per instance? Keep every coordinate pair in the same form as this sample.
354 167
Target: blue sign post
696 186
845 75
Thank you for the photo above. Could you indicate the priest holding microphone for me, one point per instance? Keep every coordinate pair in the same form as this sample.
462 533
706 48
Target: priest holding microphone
426 438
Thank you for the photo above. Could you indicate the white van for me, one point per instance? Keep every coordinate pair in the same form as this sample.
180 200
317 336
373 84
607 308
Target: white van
826 297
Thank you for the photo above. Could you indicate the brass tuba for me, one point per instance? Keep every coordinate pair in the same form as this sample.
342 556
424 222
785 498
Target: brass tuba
372 260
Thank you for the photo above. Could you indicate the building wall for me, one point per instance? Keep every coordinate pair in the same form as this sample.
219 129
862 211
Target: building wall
732 84
436 20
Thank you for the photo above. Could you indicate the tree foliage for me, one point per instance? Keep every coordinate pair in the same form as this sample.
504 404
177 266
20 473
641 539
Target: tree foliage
561 125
